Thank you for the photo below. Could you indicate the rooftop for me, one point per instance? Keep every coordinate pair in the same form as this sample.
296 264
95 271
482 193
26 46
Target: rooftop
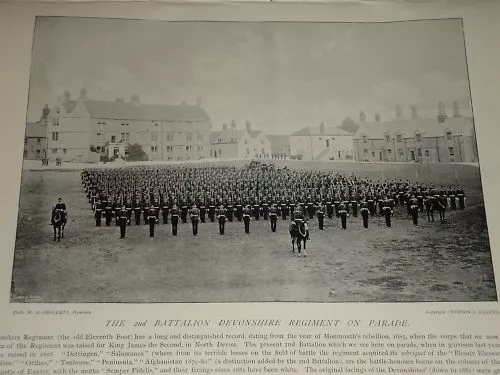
427 127
121 110
316 131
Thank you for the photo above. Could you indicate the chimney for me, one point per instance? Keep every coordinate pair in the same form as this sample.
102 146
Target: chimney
184 103
248 126
134 99
67 96
362 116
83 94
233 125
441 112
45 112
120 100
399 112
224 127
198 102
378 117
414 112
322 129
456 110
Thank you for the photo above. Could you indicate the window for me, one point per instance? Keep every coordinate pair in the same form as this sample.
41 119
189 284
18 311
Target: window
55 122
54 150
219 140
327 143
246 141
189 137
448 136
123 124
55 136
38 152
401 153
365 151
127 137
98 134
156 124
373 154
38 140
399 138
65 151
153 148
419 152
113 139
170 137
220 152
387 138
451 150
418 137
98 148
426 152
248 151
25 141
364 139
122 137
389 151
25 153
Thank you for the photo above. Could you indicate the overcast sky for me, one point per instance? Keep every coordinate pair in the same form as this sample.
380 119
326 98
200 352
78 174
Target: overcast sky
279 76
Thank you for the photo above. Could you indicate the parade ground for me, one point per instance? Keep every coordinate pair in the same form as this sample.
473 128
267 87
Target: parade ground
429 262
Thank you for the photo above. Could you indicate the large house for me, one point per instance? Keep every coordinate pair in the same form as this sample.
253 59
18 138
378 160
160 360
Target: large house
231 142
79 128
439 139
321 143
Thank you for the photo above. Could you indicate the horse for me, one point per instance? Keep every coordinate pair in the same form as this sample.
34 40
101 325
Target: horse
429 207
299 233
440 204
58 222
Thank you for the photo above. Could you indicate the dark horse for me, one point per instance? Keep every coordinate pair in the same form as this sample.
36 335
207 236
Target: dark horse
300 234
440 204
58 222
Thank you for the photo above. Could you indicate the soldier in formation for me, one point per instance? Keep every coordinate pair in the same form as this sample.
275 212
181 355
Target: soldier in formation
258 192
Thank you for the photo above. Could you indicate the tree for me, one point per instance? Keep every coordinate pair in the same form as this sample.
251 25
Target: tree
136 153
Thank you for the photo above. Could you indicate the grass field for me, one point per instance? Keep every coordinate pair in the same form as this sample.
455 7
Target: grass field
431 262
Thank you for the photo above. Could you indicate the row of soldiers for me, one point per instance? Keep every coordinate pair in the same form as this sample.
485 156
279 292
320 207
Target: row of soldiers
260 193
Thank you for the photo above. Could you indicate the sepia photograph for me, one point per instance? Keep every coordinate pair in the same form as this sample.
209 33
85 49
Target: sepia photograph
221 162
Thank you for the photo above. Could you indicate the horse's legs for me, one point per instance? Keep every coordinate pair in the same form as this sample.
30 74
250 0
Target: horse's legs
293 244
53 226
59 233
62 230
305 254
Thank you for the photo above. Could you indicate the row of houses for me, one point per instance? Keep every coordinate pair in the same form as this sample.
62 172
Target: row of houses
86 130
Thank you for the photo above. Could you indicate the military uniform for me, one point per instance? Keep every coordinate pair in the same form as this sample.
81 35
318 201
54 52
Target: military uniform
343 216
273 217
122 221
387 212
152 221
221 217
246 215
98 213
194 214
174 216
320 213
365 212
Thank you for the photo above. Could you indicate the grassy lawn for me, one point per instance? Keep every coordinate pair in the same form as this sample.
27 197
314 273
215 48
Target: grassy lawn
431 262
